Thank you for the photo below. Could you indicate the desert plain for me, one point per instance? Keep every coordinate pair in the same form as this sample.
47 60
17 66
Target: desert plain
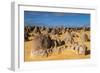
56 43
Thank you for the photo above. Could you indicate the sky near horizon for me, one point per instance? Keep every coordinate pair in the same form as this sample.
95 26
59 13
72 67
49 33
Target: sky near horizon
56 19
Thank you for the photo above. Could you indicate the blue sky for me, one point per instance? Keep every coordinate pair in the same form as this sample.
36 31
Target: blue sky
56 19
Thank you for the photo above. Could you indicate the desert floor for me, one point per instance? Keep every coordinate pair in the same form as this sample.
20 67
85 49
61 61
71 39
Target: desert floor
66 54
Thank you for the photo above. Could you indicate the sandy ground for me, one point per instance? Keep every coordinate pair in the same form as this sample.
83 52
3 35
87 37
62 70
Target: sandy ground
66 54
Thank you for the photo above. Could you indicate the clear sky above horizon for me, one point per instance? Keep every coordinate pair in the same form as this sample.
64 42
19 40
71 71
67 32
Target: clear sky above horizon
56 19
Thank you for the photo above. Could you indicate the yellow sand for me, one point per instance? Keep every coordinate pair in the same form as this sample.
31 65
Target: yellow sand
66 54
